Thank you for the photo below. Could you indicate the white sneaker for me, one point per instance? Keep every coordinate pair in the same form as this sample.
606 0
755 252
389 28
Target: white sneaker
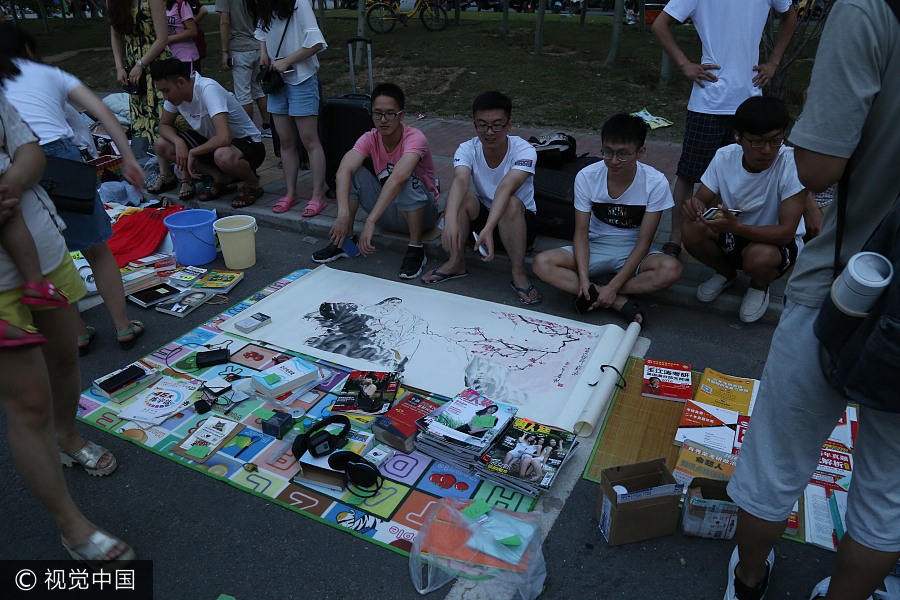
754 305
737 590
710 289
821 589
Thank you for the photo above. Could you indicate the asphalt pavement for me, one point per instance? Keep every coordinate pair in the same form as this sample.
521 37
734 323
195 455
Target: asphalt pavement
206 538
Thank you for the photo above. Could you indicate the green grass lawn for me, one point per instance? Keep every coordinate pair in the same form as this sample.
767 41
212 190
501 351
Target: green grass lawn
565 87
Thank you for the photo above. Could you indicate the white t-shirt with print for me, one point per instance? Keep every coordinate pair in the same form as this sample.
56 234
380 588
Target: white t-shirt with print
303 32
39 93
211 99
520 156
730 31
622 216
759 195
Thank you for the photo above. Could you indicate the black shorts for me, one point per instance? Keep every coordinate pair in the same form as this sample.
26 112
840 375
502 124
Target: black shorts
703 135
530 227
253 152
732 247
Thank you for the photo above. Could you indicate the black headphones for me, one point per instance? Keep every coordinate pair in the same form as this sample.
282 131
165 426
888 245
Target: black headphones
361 477
319 441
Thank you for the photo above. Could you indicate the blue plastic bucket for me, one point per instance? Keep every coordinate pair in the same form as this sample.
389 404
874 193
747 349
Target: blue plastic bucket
193 236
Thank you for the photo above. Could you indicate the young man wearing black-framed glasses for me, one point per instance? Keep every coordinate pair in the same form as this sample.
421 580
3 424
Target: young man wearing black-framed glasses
759 227
501 208
401 195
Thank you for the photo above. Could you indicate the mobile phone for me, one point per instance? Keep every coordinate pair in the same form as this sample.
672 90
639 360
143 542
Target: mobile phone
582 304
350 248
481 249
291 70
715 212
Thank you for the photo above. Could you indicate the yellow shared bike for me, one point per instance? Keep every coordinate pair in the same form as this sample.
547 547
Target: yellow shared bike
382 16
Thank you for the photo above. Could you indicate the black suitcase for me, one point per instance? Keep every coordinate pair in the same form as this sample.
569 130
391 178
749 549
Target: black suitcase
345 118
554 195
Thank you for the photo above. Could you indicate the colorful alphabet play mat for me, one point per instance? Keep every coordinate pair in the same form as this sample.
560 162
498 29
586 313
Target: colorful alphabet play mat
546 366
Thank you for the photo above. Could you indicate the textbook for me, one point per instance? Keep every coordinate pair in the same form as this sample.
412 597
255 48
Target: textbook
727 391
697 460
154 294
283 377
184 303
367 393
130 387
137 279
667 380
397 428
711 426
186 277
163 263
219 280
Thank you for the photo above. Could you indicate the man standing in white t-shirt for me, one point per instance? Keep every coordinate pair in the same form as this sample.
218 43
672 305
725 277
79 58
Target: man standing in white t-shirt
501 209
223 142
619 202
401 195
727 74
758 226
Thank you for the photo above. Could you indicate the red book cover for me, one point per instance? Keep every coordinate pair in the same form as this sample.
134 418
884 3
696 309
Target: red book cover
667 380
401 419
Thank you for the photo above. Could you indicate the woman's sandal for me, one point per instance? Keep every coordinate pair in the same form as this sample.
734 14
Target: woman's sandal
27 338
215 191
247 197
188 190
134 333
89 457
94 551
163 183
313 207
49 295
84 341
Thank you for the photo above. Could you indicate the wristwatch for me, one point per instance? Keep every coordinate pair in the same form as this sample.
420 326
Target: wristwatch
140 63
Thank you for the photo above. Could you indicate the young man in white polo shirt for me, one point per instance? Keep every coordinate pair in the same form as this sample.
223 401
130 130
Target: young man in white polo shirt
619 202
501 209
223 142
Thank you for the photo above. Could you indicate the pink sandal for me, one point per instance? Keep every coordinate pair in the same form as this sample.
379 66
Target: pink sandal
49 295
313 207
27 339
284 204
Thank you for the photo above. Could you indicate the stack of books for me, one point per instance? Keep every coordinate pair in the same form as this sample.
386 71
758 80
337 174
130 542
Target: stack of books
132 379
186 277
397 428
220 281
528 456
283 378
161 262
154 294
462 430
135 279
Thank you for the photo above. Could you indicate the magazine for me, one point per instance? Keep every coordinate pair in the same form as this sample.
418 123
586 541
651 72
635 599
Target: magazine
185 303
219 280
367 393
667 380
470 420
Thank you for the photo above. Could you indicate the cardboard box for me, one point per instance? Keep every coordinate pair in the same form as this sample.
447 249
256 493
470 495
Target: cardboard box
647 510
708 510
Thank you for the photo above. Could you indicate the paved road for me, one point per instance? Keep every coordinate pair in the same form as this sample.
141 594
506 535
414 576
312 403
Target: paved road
207 538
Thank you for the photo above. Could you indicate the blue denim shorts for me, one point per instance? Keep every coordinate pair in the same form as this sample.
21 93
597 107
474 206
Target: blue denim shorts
82 231
299 100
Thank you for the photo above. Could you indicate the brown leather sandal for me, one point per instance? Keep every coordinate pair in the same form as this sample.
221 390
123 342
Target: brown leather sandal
247 196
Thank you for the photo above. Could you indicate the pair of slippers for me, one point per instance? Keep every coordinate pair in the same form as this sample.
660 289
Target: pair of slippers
312 208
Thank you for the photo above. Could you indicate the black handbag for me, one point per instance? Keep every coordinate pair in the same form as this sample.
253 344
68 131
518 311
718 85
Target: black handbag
269 79
137 89
71 184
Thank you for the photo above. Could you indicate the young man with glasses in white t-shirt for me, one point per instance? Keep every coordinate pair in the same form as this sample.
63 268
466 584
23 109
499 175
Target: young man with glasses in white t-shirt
619 202
401 195
501 209
758 228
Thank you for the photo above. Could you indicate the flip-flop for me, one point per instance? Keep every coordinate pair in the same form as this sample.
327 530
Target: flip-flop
284 204
313 207
441 277
631 309
27 339
525 292
49 295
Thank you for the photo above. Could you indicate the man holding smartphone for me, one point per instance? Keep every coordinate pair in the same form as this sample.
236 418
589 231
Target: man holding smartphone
758 227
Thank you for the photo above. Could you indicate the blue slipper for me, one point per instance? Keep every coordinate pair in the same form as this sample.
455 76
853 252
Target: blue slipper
525 292
441 277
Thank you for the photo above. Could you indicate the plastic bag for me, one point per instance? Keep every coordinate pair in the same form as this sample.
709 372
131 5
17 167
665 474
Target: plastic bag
462 538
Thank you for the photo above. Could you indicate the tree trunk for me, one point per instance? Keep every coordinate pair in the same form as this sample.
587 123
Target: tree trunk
615 45
665 70
505 17
456 12
641 15
583 16
322 16
539 27
43 10
360 31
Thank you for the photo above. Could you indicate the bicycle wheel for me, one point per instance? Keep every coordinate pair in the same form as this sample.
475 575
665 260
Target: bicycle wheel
381 18
434 18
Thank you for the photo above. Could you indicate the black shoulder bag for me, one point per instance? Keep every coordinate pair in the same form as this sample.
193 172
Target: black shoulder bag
268 78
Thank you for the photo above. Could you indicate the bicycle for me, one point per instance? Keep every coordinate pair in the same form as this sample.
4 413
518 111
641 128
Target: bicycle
381 17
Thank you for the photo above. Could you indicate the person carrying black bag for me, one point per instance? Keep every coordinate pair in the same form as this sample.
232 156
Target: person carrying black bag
846 130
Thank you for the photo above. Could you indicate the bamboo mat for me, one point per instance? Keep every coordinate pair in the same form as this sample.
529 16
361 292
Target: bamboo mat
636 428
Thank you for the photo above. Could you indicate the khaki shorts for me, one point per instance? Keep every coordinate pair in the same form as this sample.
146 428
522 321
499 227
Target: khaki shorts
66 279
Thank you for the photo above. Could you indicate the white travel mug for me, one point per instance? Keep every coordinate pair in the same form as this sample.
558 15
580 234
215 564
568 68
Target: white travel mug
861 283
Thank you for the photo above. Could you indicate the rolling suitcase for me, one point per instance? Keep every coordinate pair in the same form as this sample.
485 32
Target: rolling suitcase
345 118
554 194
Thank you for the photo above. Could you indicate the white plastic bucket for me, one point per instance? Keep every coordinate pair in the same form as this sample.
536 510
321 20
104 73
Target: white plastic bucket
237 237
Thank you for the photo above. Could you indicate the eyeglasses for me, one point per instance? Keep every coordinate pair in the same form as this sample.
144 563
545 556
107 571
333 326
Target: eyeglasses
773 143
621 155
377 115
495 128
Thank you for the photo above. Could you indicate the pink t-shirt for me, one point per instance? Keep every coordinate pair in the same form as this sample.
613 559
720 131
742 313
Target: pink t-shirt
371 146
185 51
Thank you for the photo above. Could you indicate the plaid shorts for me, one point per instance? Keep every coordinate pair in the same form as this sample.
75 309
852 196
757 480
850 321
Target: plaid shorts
703 135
